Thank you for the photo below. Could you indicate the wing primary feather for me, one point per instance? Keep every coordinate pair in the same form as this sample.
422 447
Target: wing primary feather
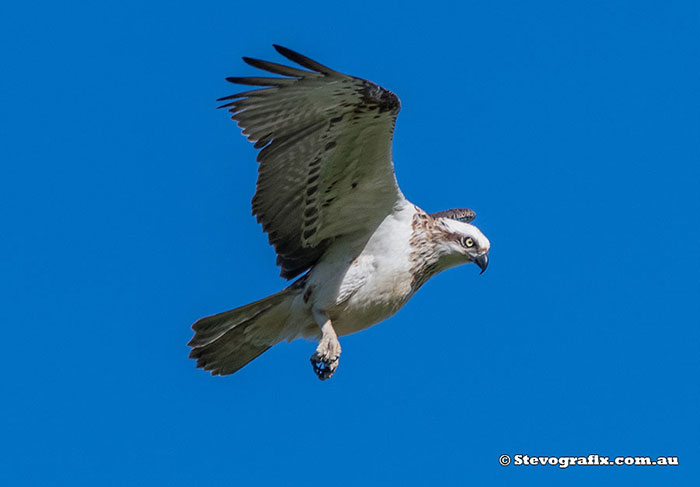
263 141
230 97
245 94
303 60
259 81
277 68
226 105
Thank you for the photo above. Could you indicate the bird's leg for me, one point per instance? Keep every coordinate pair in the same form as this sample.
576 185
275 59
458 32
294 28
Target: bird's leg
325 359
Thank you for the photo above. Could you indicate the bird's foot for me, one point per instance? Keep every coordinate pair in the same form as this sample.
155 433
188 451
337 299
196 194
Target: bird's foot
325 359
323 367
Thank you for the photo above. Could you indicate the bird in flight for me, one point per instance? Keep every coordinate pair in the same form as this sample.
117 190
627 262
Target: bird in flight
328 199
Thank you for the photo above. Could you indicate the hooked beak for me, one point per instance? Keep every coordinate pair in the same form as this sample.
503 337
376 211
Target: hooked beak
483 262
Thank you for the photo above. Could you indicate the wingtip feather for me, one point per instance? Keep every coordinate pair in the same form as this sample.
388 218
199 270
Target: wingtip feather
277 68
303 60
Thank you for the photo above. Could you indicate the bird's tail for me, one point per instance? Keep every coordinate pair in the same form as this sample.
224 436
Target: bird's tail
225 342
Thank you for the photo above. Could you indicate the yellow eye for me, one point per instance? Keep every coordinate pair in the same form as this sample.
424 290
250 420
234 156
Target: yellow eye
468 242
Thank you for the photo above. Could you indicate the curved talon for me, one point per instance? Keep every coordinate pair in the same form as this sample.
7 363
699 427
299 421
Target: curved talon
324 368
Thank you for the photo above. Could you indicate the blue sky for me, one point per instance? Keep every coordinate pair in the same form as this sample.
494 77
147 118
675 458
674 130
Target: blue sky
572 128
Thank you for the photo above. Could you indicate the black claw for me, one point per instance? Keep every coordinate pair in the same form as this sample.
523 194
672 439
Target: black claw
322 368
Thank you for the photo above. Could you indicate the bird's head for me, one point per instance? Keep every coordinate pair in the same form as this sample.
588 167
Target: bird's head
461 242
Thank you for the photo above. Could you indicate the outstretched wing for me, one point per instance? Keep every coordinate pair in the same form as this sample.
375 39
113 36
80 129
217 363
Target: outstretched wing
325 155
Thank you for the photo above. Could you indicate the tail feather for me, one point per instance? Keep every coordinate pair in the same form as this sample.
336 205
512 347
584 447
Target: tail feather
226 356
225 342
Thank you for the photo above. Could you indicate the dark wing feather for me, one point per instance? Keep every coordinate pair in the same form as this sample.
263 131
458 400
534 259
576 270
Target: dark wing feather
304 61
276 68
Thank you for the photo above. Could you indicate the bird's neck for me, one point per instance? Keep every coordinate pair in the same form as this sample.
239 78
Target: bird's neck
426 256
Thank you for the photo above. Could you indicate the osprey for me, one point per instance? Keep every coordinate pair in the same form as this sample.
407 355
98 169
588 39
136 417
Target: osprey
328 199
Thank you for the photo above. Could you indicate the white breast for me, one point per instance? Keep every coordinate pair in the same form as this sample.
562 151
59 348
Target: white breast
361 284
